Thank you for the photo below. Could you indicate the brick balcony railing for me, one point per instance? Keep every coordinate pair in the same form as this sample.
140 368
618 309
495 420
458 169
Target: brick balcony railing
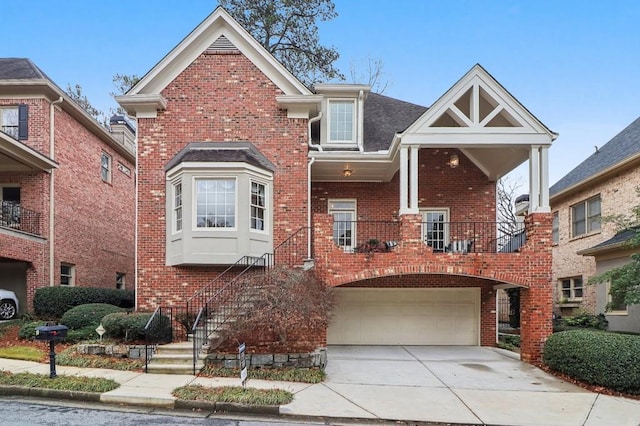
443 237
14 216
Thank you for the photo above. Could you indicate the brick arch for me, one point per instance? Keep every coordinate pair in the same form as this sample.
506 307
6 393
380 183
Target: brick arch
390 271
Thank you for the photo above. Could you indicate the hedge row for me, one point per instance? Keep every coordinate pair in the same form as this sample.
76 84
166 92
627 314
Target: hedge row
596 357
130 327
89 315
53 302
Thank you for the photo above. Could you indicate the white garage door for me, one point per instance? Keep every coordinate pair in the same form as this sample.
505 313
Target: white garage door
406 316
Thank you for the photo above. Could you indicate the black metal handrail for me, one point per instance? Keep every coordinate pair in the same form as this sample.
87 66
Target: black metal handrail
366 235
16 217
474 237
166 324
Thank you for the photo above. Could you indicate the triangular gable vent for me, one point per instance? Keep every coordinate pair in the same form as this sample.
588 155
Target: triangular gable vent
222 45
476 107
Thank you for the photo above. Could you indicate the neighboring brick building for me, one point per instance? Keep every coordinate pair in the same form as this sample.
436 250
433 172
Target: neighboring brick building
237 158
67 190
603 185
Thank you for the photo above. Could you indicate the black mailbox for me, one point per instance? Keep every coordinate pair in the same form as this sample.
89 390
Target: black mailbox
51 332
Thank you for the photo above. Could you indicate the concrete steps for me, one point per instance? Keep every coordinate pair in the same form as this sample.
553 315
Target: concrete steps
174 358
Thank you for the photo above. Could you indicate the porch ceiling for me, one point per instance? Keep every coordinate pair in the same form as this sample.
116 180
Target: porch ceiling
362 170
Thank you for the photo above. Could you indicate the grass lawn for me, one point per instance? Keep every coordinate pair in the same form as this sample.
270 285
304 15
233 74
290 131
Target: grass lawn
71 383
234 394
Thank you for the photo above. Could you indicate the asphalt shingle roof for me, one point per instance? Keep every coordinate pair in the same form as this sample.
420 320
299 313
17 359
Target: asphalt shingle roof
384 117
621 237
624 145
221 152
20 69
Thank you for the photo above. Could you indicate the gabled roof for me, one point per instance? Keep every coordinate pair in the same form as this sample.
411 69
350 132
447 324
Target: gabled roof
625 146
481 118
219 31
384 117
221 152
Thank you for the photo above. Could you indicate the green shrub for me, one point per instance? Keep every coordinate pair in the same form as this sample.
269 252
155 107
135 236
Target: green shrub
587 320
81 334
53 302
28 329
596 357
88 315
130 326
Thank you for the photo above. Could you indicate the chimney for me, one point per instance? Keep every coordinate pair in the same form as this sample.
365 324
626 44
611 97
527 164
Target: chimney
123 132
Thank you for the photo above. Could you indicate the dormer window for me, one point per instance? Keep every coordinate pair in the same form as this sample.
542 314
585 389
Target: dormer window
341 121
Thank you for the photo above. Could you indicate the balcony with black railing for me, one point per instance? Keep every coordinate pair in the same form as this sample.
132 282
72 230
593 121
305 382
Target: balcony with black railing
15 217
443 237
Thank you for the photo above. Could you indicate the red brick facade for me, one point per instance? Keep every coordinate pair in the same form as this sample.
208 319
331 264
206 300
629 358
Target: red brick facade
224 97
93 220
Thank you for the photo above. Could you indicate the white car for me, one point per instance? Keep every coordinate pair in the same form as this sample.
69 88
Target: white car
8 305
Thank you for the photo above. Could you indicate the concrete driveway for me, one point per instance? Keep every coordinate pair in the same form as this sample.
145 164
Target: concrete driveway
453 384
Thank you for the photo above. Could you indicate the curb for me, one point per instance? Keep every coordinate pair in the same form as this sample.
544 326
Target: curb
230 407
181 404
50 393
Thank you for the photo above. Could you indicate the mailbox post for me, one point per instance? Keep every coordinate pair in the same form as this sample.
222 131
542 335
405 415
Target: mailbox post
51 333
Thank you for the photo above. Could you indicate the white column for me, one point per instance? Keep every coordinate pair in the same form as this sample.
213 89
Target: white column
404 180
544 180
413 174
534 179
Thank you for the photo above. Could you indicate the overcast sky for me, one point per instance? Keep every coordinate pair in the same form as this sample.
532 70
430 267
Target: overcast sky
574 64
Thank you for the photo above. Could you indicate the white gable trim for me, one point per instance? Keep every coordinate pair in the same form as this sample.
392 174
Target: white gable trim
215 25
527 128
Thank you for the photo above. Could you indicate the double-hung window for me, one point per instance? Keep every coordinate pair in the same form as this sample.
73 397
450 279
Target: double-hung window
344 223
342 122
67 274
216 203
9 121
258 206
177 206
105 167
585 217
571 289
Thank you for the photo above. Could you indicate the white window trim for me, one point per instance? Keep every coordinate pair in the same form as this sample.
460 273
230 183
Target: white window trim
194 204
354 123
354 230
17 126
72 274
572 297
585 203
174 217
109 167
447 214
267 218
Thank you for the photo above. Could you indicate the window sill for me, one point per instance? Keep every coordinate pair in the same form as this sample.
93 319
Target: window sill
617 313
572 304
590 234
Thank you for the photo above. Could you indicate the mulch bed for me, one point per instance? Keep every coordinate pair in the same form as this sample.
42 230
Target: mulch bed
10 338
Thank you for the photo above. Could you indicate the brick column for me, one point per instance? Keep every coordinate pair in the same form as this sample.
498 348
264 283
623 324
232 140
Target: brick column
536 302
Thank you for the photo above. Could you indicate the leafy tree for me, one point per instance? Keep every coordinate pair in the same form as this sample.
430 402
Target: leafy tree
123 83
288 30
624 280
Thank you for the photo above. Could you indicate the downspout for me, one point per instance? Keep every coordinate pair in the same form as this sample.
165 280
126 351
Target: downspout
311 161
310 142
361 121
135 222
52 139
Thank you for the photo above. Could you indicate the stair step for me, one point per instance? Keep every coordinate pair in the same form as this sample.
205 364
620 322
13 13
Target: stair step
173 368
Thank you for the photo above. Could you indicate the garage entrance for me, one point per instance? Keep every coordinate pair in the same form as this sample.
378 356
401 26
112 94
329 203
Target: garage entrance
406 316
13 277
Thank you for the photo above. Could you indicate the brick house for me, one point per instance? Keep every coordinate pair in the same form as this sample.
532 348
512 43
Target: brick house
603 185
391 203
64 183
